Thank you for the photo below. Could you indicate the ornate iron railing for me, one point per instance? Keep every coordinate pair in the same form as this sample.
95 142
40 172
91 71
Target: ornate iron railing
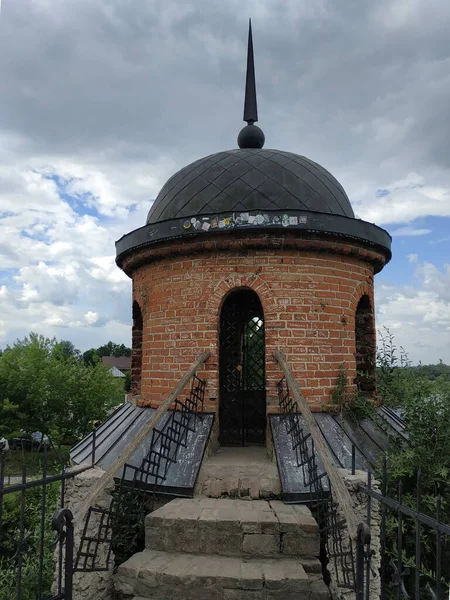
406 563
31 511
139 483
332 524
414 545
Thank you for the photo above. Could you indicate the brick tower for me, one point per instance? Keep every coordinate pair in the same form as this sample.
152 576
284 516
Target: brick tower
247 251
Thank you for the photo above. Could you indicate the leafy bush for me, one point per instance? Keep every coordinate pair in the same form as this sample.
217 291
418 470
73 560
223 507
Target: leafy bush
10 534
425 405
45 386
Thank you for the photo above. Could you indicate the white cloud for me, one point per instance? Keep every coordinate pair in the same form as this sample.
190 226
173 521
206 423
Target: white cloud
419 317
59 275
99 105
409 231
91 317
404 201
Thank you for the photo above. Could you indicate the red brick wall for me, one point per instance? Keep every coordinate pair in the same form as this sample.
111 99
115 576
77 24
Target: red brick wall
309 294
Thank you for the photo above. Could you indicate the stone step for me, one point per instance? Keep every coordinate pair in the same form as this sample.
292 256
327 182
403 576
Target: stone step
231 527
239 473
168 576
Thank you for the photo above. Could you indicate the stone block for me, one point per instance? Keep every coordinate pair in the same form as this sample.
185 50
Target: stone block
254 490
251 576
311 565
243 595
176 569
295 577
253 526
223 544
318 589
294 544
257 544
274 578
216 488
266 489
269 522
282 595
231 485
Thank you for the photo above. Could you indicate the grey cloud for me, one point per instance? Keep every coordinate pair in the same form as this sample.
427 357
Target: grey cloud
135 90
167 76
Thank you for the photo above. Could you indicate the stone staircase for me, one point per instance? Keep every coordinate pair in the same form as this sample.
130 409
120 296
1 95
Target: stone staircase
239 473
226 549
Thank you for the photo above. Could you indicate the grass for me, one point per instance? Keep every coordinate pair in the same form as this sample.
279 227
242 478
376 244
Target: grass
16 459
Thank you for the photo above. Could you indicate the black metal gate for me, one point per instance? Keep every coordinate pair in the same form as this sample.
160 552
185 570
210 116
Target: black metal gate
242 394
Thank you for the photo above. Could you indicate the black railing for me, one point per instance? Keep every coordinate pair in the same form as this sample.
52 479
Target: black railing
414 546
332 524
35 529
138 484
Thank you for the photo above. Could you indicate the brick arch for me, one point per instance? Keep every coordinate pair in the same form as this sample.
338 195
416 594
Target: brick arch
363 322
136 352
234 281
363 289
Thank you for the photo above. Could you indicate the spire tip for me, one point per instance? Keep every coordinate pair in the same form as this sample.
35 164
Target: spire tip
251 136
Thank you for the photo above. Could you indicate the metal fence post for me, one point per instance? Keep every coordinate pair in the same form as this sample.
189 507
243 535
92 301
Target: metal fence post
362 539
68 566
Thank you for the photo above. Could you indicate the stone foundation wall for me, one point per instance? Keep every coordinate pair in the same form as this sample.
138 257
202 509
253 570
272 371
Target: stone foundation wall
96 585
360 506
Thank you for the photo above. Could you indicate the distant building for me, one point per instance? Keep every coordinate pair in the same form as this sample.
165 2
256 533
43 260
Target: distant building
120 363
116 373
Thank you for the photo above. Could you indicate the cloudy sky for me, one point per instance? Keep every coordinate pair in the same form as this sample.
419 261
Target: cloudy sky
101 101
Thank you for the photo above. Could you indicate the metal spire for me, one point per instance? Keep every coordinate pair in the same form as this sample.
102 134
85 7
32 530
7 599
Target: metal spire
250 106
250 136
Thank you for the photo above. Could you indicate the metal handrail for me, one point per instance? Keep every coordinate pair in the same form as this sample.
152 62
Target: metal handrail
120 461
340 491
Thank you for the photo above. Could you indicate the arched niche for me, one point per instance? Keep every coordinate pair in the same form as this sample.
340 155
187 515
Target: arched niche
365 341
136 352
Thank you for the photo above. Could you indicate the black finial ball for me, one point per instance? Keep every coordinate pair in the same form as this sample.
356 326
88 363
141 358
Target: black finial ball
251 136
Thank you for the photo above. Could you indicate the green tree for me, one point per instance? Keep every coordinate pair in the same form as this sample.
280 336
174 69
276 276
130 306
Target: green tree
93 355
45 388
8 418
66 350
112 349
422 393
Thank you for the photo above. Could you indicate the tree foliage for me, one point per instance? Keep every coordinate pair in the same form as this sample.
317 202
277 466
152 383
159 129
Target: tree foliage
422 394
10 530
44 386
94 355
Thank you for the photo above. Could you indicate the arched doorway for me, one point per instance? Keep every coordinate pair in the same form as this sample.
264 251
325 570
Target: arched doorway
242 384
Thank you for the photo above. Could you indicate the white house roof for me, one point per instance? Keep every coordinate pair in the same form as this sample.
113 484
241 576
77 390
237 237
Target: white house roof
116 373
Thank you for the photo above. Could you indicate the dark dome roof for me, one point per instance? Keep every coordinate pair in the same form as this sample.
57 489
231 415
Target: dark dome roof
248 180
